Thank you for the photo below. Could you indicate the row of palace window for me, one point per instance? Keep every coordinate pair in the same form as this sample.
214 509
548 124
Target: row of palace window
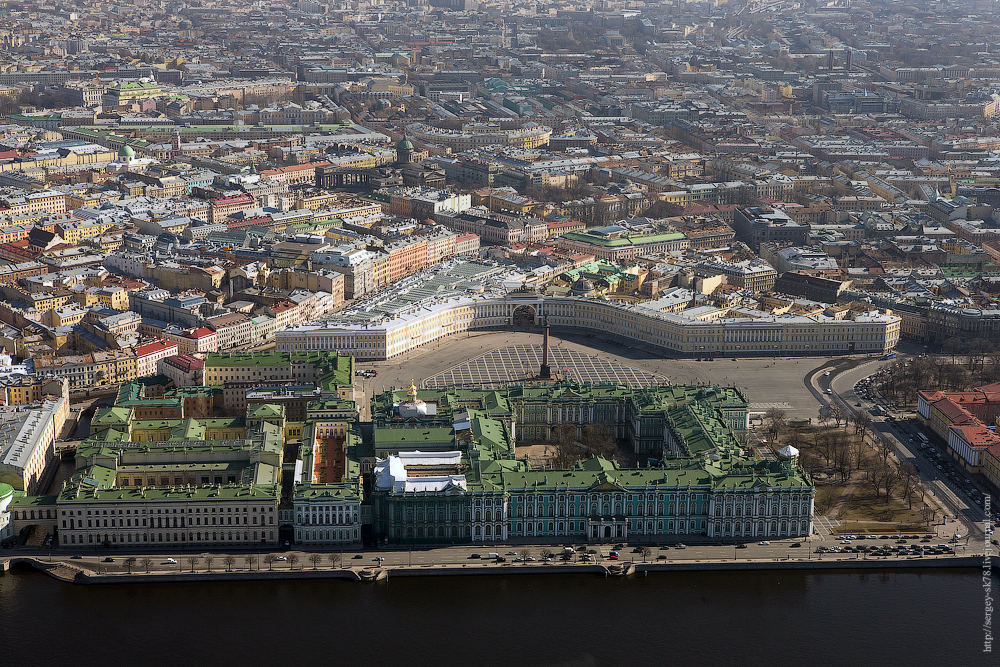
746 528
442 515
539 527
419 533
739 510
162 522
116 538
316 519
339 535
195 510
609 509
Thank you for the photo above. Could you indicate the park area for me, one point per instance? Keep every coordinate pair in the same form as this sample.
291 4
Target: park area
860 484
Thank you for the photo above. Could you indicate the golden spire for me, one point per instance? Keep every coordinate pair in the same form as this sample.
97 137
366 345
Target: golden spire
413 389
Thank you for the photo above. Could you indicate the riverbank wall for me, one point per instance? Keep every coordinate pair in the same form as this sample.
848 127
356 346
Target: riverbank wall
70 573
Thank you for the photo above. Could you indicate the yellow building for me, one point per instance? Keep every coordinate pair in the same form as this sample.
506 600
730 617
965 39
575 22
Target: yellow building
96 369
718 332
74 232
40 203
113 297
27 390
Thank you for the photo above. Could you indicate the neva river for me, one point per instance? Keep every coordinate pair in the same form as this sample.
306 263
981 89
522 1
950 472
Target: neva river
727 618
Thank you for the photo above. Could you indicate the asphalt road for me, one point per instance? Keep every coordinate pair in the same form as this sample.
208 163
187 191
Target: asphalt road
776 550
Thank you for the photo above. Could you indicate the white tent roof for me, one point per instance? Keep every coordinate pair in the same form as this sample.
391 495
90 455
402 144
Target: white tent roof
788 451
390 475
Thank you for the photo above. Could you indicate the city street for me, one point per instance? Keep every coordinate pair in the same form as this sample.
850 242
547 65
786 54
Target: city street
464 555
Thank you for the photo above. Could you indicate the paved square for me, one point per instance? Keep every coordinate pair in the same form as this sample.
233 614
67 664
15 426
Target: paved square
515 363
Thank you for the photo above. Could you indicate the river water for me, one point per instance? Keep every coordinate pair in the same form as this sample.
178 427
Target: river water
905 618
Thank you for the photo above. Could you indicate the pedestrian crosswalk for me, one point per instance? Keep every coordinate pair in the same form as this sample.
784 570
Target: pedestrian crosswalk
781 405
824 525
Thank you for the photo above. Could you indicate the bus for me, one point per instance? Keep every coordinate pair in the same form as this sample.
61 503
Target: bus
889 355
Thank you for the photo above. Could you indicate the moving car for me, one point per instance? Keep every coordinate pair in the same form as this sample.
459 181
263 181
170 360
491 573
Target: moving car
170 561
764 543
282 558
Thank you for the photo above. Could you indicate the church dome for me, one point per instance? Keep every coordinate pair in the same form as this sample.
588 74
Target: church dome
405 144
126 152
412 406
582 286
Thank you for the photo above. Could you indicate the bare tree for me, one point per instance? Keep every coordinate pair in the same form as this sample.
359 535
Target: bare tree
860 454
566 448
862 423
334 559
249 562
525 554
193 561
837 414
978 348
270 560
777 421
909 481
646 553
208 562
129 562
315 559
547 553
796 438
292 560
883 448
598 439
146 562
825 444
229 561
880 477
842 455
952 346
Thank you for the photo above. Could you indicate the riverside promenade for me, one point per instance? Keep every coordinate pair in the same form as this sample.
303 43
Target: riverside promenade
70 573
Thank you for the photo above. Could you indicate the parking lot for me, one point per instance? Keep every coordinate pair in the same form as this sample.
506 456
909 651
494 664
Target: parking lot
516 363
